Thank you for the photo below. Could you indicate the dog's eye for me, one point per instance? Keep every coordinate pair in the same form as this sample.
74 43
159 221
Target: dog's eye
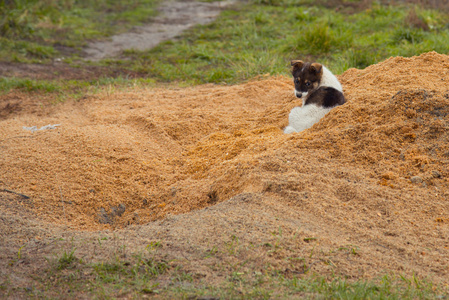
296 80
307 83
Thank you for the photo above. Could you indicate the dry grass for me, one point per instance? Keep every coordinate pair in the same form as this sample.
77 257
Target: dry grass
433 4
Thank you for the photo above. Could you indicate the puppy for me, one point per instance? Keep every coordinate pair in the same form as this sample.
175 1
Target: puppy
319 90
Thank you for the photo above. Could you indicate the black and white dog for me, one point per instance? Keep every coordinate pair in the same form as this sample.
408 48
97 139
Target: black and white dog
319 90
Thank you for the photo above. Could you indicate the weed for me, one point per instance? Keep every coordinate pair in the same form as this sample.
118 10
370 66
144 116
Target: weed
232 245
309 239
152 246
139 274
351 249
237 276
19 253
320 39
413 20
105 238
410 35
151 289
361 58
67 260
183 276
155 268
211 252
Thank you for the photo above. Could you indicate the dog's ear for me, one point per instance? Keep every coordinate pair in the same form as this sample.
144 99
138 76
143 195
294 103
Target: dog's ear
316 68
297 63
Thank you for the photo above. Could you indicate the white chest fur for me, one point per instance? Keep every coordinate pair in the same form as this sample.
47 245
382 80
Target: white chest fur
304 117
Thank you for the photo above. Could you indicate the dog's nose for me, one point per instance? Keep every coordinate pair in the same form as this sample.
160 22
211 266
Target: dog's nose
298 94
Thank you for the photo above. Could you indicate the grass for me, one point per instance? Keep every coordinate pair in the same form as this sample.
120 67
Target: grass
387 287
37 31
236 270
151 273
258 38
67 260
102 267
261 39
7 84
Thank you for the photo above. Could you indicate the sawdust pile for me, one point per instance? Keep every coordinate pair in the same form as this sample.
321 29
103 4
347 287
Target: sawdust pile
129 157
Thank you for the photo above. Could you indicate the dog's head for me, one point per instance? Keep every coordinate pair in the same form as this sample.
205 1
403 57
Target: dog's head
306 76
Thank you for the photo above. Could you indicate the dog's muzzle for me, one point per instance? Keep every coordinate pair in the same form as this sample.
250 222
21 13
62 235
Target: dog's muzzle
298 94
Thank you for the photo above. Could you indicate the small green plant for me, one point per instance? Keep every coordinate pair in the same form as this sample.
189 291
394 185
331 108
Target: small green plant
138 274
67 260
19 253
151 289
152 246
155 268
211 252
184 276
361 58
410 35
351 249
318 39
232 245
237 276
105 238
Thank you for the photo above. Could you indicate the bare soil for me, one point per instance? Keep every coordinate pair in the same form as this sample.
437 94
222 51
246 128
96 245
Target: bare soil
192 167
63 71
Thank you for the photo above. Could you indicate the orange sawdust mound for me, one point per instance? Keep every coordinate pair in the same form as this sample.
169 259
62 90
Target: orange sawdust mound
129 157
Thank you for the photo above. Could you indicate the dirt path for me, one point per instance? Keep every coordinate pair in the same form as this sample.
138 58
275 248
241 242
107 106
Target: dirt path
174 18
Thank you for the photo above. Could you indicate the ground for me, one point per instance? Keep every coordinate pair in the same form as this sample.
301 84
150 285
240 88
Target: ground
206 174
198 168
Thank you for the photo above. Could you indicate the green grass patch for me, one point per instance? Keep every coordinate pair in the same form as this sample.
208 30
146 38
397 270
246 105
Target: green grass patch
231 269
230 276
388 287
148 274
7 84
263 37
67 260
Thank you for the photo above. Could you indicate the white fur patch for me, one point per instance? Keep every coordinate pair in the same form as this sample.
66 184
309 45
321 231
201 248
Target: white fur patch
328 79
303 96
301 118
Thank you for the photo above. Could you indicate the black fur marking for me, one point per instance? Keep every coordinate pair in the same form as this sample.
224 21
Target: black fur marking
326 97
